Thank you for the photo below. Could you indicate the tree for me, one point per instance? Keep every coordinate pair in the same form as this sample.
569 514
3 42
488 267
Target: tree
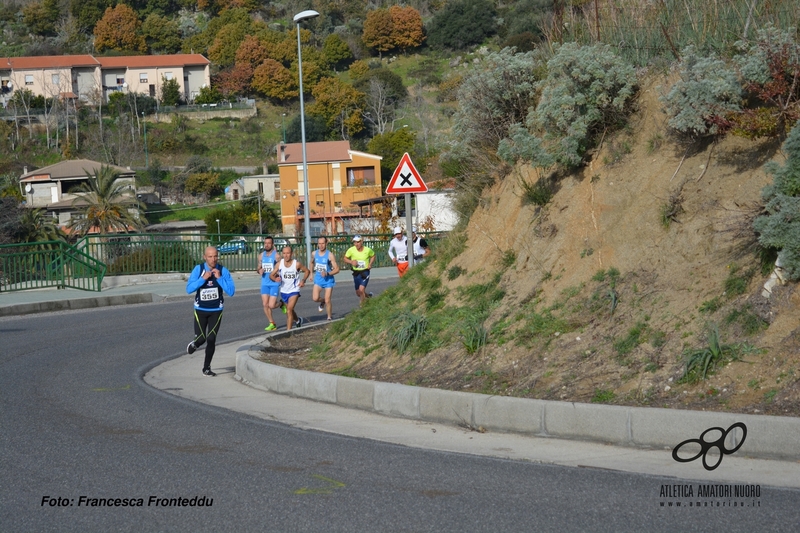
251 52
208 95
378 30
336 51
161 34
227 42
119 30
316 130
463 23
104 204
384 93
170 92
36 226
779 227
203 183
234 81
42 17
88 12
275 81
340 105
391 146
407 28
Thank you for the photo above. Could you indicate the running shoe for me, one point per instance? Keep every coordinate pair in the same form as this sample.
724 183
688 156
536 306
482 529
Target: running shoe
321 308
283 308
271 327
208 373
191 348
330 319
299 322
370 295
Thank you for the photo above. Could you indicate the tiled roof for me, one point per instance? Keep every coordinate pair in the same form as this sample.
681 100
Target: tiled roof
34 62
72 168
39 62
173 60
322 152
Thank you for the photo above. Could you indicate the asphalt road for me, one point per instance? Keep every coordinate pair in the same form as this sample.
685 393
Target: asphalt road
78 424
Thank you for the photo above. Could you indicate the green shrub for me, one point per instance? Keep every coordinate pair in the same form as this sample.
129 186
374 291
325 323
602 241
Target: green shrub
766 65
586 91
156 258
737 281
462 23
539 193
603 396
454 272
779 228
707 91
700 362
407 328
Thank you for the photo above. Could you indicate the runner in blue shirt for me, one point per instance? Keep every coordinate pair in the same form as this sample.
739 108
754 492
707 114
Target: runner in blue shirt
208 281
323 265
270 290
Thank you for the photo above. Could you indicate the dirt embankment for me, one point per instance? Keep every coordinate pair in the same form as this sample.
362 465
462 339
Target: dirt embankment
617 279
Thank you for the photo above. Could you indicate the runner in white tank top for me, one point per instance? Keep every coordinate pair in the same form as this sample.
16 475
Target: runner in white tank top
292 276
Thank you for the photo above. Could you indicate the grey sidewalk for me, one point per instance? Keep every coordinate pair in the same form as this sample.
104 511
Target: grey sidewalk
182 377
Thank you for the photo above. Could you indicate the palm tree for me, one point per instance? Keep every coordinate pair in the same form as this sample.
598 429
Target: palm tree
105 204
36 226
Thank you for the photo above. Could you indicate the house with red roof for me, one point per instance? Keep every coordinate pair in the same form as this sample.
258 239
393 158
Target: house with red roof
91 78
337 177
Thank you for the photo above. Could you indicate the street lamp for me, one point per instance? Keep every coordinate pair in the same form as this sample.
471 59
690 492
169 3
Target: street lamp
218 232
283 126
300 17
146 164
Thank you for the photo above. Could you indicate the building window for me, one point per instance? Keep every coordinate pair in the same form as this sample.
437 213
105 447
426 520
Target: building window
120 80
28 79
358 177
168 76
142 78
320 200
55 79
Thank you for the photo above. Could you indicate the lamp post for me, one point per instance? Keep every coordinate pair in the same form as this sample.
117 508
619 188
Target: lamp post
300 17
283 127
218 232
144 124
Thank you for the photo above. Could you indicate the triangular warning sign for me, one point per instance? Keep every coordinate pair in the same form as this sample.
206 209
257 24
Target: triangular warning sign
406 178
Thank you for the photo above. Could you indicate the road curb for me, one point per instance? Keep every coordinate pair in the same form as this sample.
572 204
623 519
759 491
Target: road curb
770 437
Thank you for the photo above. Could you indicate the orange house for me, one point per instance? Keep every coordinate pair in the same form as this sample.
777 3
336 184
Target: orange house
337 176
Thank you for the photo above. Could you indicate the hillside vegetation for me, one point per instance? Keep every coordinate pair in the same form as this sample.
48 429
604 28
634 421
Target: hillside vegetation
595 297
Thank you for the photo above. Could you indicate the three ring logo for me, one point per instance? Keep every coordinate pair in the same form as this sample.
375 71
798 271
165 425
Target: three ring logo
706 446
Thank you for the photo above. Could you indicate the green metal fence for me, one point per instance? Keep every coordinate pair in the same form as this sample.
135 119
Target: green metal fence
83 266
48 264
146 253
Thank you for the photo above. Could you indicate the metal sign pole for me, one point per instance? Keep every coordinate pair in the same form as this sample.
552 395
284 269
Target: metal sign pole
410 244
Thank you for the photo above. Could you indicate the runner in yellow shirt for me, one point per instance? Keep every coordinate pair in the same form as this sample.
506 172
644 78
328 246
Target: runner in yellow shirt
361 259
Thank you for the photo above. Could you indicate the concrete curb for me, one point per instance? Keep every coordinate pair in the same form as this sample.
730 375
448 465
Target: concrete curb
76 303
770 437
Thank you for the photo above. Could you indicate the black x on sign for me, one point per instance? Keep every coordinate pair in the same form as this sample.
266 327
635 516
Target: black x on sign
406 178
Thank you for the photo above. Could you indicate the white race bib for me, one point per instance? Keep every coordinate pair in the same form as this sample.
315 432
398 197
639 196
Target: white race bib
402 258
321 268
266 267
207 295
361 265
